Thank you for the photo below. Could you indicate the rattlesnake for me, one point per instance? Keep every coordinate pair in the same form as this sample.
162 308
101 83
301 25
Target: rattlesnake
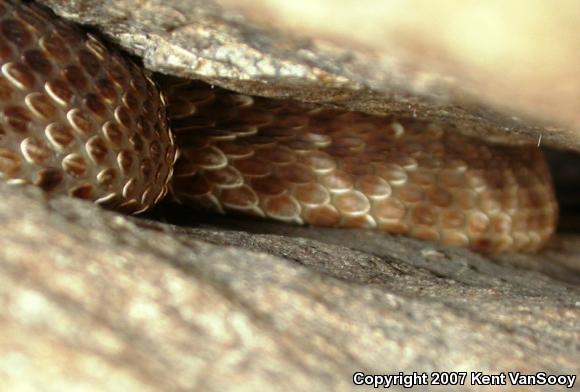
80 118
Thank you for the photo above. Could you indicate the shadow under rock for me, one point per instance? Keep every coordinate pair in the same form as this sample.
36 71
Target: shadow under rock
560 261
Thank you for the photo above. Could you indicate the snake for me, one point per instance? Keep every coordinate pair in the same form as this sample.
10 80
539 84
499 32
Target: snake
78 117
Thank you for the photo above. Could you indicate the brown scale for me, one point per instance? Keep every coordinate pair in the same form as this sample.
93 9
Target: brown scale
306 165
77 118
80 119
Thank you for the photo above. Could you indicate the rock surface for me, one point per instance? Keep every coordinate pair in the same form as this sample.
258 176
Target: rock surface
478 72
97 301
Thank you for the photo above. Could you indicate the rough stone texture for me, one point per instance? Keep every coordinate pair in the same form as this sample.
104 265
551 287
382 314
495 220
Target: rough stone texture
151 306
481 72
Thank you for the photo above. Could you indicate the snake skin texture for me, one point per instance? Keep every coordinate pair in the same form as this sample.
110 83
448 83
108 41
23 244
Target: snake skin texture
76 117
79 118
304 164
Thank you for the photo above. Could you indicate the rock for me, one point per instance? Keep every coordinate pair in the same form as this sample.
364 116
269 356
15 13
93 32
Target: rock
490 76
97 301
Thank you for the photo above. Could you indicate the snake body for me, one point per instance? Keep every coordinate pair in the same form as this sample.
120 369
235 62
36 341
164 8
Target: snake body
79 118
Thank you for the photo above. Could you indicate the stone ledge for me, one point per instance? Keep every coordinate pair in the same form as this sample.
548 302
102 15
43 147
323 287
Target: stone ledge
96 300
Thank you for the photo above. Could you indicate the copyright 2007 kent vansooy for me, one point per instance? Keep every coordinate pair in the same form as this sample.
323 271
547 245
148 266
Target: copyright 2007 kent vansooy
410 380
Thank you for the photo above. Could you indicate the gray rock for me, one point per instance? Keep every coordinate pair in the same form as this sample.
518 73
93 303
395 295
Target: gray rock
98 301
405 68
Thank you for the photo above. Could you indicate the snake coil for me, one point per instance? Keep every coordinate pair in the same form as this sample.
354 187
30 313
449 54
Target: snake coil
81 119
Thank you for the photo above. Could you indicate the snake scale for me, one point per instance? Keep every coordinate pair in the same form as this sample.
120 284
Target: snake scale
80 118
